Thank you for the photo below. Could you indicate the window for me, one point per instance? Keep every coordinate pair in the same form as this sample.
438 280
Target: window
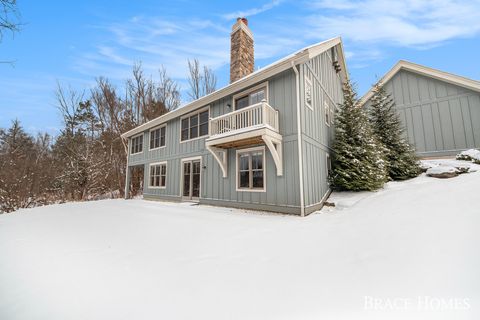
250 170
137 144
195 126
157 138
327 114
158 175
329 164
308 93
254 96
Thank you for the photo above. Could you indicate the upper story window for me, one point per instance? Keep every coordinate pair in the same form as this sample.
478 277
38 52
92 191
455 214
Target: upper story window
157 137
308 93
195 125
250 97
158 175
137 144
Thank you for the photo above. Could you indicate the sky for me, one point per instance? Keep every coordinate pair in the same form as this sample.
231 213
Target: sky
75 42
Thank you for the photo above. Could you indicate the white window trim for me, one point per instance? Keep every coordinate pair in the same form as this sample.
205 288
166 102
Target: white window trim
248 91
198 111
131 141
326 109
262 148
308 81
149 137
166 174
182 176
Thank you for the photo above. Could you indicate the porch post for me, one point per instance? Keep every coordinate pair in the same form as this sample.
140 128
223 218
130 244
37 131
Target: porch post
127 182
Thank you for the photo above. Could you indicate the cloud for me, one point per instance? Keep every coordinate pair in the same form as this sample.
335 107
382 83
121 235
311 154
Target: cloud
408 23
252 11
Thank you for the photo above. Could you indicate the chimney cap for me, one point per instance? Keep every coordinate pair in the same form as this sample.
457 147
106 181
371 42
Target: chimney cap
243 19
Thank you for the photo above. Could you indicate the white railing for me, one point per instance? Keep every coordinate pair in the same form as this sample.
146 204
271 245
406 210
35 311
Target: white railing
256 115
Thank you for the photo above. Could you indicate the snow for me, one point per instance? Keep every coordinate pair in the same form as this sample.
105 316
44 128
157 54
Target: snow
413 246
440 170
470 153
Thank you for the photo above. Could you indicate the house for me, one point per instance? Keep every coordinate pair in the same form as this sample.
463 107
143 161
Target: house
440 111
262 142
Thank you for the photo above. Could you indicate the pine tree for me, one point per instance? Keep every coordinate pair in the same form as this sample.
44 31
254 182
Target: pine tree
358 162
402 162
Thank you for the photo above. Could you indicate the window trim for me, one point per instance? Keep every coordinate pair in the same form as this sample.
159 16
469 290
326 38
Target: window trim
309 82
150 170
131 141
198 111
248 91
248 150
150 133
326 109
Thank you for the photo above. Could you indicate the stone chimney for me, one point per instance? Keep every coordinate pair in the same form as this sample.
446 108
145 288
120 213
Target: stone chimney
241 50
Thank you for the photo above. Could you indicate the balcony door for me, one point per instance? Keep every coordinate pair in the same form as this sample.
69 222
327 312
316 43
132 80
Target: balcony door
191 169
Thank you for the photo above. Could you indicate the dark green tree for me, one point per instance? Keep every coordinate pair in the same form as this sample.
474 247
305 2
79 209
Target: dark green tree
402 162
358 160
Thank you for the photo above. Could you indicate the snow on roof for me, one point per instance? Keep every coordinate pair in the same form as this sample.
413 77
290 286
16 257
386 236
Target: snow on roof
276 67
426 71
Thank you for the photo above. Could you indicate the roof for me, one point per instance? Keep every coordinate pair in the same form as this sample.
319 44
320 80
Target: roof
276 67
425 71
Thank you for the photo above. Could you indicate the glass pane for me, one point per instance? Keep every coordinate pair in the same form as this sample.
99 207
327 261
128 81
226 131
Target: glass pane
157 181
162 141
243 162
163 179
257 96
186 179
257 160
196 184
258 179
185 134
241 103
204 129
152 139
152 180
193 132
164 170
194 120
196 167
184 123
204 117
244 179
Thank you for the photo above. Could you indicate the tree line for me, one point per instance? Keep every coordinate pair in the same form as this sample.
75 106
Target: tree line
87 160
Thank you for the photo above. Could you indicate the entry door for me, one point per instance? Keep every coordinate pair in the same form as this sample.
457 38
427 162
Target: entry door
191 180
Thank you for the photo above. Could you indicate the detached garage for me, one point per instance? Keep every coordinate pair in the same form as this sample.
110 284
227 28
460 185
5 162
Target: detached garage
440 111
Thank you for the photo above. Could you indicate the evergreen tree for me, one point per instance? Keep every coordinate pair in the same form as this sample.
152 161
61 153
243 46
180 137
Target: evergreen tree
358 162
402 162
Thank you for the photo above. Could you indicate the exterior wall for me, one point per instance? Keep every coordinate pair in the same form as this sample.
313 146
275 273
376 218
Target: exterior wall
317 136
282 192
440 118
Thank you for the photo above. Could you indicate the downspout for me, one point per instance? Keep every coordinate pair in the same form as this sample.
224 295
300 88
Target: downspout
299 143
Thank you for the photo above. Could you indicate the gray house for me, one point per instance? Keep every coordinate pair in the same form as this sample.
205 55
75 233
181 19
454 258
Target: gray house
440 111
262 142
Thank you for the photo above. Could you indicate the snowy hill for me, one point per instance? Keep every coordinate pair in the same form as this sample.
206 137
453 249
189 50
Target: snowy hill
408 251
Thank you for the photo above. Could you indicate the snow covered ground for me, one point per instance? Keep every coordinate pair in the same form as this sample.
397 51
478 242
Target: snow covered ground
410 251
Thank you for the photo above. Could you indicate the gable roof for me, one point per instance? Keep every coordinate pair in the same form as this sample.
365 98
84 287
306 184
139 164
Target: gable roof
425 71
276 67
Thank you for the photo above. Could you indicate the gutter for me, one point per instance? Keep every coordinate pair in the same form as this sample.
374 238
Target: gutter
299 135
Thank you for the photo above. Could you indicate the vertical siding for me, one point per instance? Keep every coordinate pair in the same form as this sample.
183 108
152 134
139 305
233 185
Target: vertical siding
439 118
317 136
281 191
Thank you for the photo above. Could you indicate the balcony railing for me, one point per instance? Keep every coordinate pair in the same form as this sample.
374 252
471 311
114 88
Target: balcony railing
255 116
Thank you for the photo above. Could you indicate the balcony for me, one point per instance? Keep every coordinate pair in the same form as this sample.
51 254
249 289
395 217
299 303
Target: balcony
255 124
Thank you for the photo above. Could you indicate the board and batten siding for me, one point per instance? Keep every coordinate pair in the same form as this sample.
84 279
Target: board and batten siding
317 136
440 118
282 192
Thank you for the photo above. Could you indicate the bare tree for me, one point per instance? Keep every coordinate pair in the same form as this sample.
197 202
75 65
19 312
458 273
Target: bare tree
201 83
9 17
168 91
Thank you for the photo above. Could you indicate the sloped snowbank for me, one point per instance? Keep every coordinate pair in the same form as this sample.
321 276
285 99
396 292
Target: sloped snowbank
415 241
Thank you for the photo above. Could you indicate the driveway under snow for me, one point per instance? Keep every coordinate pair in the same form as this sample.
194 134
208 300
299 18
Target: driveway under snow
411 250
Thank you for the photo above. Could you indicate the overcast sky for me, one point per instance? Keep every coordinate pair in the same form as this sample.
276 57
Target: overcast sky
76 41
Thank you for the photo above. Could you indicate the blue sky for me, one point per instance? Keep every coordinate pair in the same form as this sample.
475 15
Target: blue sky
74 42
